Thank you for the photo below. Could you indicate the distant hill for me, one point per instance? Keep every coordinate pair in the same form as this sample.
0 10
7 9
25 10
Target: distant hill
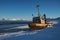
5 22
14 21
54 19
58 18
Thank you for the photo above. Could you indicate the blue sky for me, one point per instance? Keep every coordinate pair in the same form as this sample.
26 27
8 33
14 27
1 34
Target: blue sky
25 8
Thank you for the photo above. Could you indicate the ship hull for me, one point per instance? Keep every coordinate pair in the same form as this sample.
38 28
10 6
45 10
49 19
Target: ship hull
36 26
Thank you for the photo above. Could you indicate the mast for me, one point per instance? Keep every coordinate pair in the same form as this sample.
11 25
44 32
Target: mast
38 7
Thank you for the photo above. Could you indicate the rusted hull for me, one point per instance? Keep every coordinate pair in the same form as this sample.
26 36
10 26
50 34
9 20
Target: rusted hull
34 26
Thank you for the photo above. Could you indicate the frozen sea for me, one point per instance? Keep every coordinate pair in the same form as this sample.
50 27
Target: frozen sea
22 32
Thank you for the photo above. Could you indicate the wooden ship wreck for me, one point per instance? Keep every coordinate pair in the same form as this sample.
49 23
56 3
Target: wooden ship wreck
39 22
